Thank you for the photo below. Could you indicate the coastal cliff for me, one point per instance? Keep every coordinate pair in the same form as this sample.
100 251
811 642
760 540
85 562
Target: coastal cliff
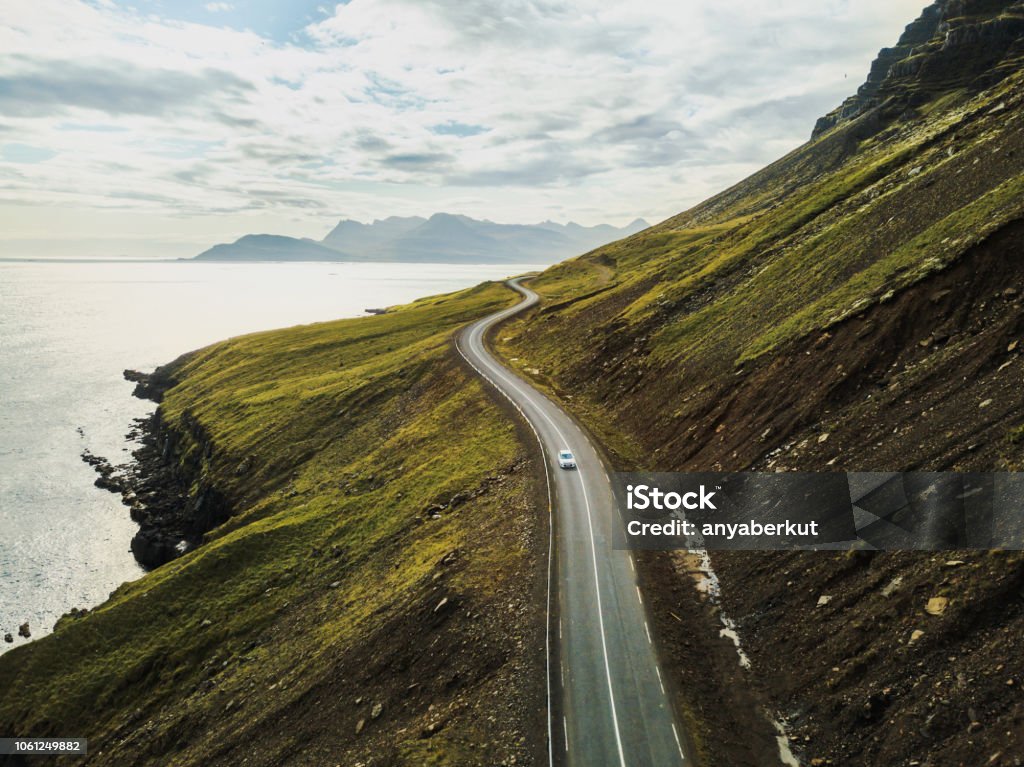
169 491
167 486
363 578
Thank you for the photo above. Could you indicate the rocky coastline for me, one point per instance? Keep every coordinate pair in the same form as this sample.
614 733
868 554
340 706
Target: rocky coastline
162 485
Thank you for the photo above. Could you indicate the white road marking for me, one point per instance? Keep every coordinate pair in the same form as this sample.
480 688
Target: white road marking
678 744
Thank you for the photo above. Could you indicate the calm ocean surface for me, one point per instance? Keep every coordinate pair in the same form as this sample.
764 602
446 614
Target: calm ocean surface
67 330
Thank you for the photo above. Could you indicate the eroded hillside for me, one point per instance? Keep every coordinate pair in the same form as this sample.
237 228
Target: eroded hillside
857 305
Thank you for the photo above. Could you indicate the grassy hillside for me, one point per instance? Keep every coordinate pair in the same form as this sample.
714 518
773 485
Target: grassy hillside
856 305
375 596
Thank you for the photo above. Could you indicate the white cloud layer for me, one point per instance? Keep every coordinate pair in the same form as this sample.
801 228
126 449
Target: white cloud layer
516 110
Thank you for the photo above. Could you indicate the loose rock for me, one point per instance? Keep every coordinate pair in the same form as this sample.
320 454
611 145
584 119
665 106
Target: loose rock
936 605
893 586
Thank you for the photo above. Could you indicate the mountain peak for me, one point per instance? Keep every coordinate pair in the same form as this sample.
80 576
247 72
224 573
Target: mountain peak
269 247
954 44
444 237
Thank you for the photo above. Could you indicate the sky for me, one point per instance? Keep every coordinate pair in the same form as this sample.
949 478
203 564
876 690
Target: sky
157 128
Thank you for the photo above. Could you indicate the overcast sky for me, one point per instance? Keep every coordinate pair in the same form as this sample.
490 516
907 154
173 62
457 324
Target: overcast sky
158 128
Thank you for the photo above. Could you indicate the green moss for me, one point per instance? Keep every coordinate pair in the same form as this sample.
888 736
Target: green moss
1016 435
928 252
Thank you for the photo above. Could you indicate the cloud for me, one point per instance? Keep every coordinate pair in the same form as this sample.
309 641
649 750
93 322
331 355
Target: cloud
418 161
509 109
453 128
25 153
54 87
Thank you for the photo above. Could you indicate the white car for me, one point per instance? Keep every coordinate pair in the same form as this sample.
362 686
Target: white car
566 460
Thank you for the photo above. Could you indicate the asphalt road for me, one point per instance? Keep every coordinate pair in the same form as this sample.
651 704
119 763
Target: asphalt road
608 685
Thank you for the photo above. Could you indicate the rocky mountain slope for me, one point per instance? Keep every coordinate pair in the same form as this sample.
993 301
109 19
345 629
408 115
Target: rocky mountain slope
857 305
442 238
968 44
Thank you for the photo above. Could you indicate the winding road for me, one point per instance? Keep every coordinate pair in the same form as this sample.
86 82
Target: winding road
608 685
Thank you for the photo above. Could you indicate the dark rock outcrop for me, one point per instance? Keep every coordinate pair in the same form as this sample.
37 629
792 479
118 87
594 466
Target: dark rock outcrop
169 498
152 386
953 44
165 486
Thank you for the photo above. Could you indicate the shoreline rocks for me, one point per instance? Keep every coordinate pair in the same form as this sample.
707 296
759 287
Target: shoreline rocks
150 386
159 486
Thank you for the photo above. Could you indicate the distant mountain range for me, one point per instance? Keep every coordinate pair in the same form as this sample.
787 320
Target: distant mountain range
442 238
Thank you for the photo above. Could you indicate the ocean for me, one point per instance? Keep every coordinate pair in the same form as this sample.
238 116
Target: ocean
67 331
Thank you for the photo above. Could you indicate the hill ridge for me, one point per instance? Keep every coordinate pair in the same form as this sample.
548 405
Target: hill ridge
441 238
